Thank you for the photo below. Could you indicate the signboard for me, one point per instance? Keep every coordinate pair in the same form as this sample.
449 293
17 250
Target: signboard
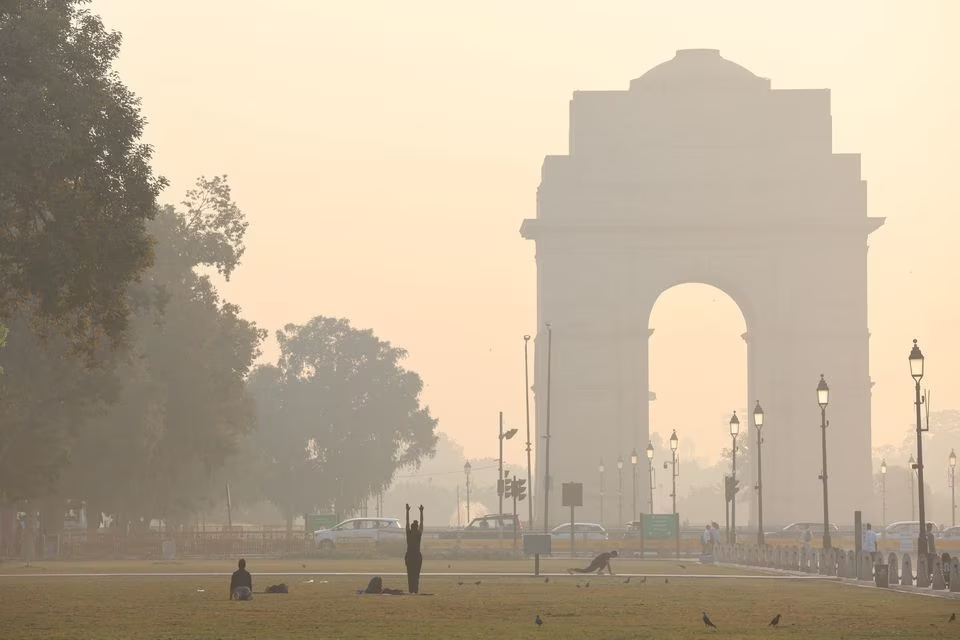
572 494
314 521
659 526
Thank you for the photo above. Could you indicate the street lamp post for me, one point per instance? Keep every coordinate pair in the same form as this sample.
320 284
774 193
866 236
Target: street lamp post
758 422
953 488
546 450
601 491
916 372
734 431
883 491
912 463
652 480
823 399
501 481
619 491
466 472
633 465
526 396
674 443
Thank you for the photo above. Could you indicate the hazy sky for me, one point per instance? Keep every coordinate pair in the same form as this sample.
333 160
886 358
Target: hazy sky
386 153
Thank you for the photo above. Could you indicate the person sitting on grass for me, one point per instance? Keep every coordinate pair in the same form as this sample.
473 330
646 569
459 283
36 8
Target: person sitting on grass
241 584
599 563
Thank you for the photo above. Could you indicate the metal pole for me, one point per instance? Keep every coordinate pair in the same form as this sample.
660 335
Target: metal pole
633 514
526 395
468 495
674 495
601 495
883 497
759 489
619 494
546 453
826 507
652 481
953 498
458 506
913 495
922 546
500 482
733 503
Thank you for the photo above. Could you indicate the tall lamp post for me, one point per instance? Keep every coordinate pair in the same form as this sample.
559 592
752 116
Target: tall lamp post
823 399
916 371
652 478
526 396
883 491
758 422
734 431
546 450
619 491
633 465
602 469
953 488
674 443
912 464
466 472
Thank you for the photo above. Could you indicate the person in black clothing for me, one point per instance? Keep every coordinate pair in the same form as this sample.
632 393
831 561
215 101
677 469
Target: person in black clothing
241 584
413 559
599 563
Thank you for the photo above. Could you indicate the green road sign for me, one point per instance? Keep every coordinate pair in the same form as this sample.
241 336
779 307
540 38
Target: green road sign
314 521
660 526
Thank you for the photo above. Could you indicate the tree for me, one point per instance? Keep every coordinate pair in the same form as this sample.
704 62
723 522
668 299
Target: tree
76 188
185 404
338 416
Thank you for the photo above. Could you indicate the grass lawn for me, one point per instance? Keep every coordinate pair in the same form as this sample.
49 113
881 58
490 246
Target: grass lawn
499 607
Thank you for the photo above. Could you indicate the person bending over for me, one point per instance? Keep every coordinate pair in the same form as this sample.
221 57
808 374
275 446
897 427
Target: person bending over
241 584
599 563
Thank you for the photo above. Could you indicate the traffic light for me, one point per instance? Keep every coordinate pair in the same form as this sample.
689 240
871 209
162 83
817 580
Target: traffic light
520 489
731 487
500 484
508 489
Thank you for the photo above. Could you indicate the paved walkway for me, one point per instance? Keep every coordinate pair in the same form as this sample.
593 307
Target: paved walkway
452 574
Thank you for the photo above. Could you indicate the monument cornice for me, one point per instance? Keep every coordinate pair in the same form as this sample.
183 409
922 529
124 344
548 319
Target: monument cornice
533 228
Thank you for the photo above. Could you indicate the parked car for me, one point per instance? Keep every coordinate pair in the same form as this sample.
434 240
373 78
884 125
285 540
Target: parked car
950 533
360 531
487 527
905 530
581 531
795 531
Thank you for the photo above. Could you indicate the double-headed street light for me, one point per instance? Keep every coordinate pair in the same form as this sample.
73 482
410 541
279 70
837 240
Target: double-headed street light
619 490
823 399
650 459
633 464
734 431
916 372
602 469
758 422
953 488
883 491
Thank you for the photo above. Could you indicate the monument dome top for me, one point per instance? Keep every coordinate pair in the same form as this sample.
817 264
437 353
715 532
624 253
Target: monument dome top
696 69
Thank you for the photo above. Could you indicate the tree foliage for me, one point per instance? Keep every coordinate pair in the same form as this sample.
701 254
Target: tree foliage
184 405
338 416
76 187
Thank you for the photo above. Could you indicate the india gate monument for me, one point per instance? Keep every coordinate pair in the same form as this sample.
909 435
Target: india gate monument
700 172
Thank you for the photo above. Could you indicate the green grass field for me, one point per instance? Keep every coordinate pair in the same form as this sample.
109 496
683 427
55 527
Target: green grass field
194 606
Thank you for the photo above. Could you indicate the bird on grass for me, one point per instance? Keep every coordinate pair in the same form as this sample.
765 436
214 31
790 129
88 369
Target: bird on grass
707 621
953 617
775 621
460 583
666 581
587 586
643 580
546 579
627 581
478 582
682 566
538 621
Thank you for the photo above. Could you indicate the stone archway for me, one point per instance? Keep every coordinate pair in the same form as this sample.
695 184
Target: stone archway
700 172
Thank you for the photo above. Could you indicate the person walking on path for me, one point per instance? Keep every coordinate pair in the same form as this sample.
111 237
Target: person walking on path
413 558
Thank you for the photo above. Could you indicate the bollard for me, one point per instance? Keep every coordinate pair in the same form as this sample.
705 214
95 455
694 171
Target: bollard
906 571
938 581
923 570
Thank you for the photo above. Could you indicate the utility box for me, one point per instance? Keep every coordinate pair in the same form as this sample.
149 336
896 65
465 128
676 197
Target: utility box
537 543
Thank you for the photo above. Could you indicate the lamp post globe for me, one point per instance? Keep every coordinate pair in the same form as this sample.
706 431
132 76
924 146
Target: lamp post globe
674 441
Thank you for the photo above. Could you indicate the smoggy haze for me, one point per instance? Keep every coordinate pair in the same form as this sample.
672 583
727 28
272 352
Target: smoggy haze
386 153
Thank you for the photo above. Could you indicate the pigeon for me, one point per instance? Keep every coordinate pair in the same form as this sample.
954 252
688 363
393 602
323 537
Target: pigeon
538 621
682 566
775 621
643 580
666 581
707 621
448 566
460 584
304 566
478 582
953 617
587 586
546 579
308 581
627 581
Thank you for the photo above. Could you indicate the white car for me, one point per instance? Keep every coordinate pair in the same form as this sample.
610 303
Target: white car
359 531
581 531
